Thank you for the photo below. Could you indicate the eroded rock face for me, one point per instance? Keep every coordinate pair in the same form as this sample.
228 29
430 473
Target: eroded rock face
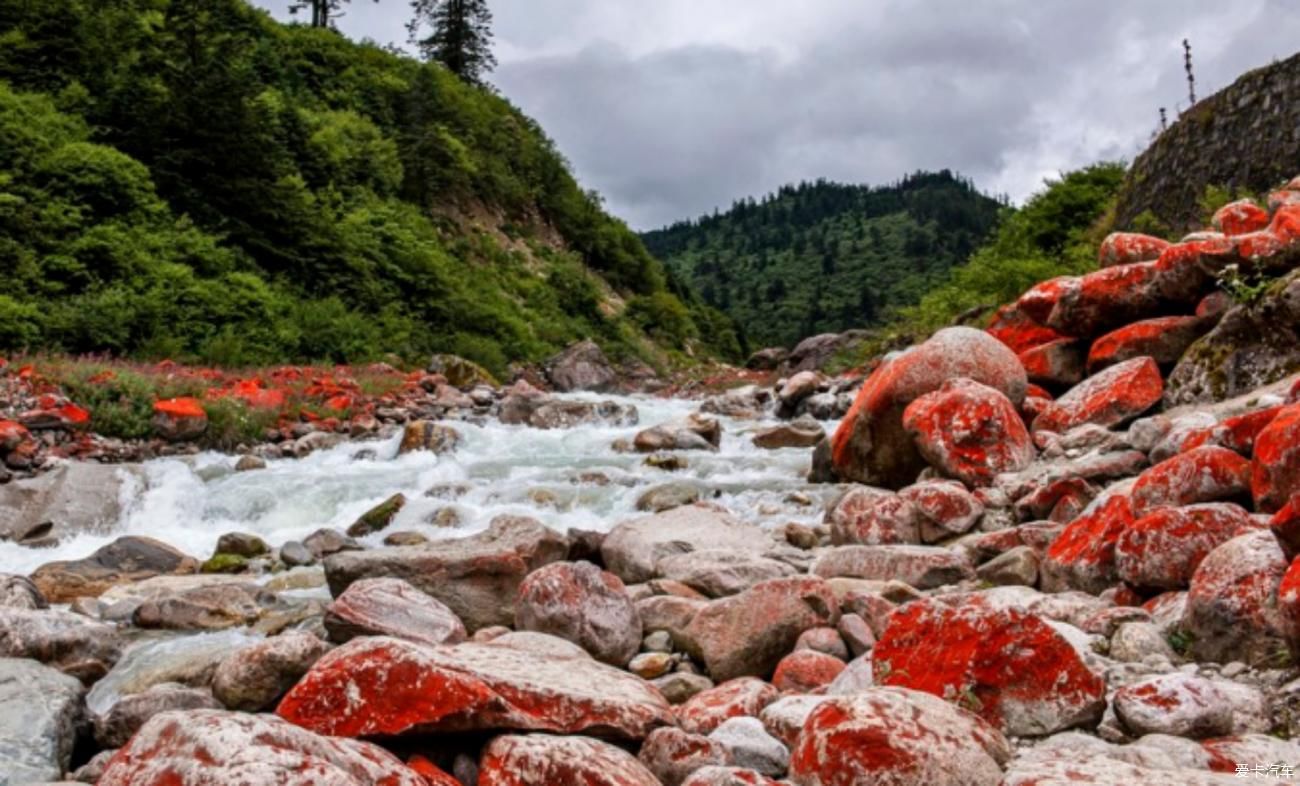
40 711
1007 666
871 446
477 577
128 559
581 603
900 737
213 746
383 686
969 431
542 760
391 607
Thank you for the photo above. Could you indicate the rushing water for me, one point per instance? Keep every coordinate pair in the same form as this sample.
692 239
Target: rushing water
189 502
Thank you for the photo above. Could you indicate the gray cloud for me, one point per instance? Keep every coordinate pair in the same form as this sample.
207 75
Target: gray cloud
674 107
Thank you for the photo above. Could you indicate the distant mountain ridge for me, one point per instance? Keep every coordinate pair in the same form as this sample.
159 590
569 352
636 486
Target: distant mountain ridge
823 257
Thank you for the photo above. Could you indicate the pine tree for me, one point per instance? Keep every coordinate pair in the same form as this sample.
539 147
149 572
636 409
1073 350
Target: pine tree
459 37
323 12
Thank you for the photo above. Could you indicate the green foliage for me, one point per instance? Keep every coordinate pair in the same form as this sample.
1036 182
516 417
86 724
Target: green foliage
188 178
1056 233
1245 288
824 257
1214 198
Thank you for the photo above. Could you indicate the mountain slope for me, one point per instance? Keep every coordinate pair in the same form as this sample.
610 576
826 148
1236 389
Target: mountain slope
825 257
190 178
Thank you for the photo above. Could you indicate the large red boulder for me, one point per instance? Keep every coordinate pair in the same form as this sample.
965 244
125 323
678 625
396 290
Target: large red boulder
1083 556
1232 608
383 686
1007 666
210 747
1285 526
581 603
1039 300
871 445
1109 398
1057 364
1122 248
969 431
1235 433
871 516
1162 549
896 737
1275 476
747 634
1013 327
391 607
708 709
1204 474
1105 299
1240 217
545 760
945 508
1163 339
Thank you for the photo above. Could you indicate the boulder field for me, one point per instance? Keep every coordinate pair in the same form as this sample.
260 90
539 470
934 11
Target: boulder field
1064 549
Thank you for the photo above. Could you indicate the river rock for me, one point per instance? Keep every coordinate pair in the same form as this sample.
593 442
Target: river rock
1124 248
430 436
70 499
871 446
128 559
944 507
68 642
384 686
460 372
728 776
672 754
581 366
693 432
749 633
391 607
871 516
1275 477
212 607
1009 667
805 671
1163 339
1205 474
179 419
721 572
115 728
540 411
1183 705
802 433
581 603
217 747
543 760
40 715
747 402
477 577
970 432
1083 556
633 549
18 592
1231 612
749 745
667 496
899 737
253 678
709 709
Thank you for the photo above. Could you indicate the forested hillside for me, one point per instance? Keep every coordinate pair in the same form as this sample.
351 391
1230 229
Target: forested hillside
825 257
190 179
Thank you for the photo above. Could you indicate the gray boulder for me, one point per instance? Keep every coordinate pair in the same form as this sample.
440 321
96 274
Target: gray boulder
40 714
581 366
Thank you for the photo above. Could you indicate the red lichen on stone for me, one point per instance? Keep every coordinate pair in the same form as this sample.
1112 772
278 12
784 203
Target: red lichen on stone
1164 339
1109 398
1275 477
1205 474
1122 248
706 710
1039 300
1083 555
1058 363
1162 550
1018 331
1240 217
969 431
806 671
1236 433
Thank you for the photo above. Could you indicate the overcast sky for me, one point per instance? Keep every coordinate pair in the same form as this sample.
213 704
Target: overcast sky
672 107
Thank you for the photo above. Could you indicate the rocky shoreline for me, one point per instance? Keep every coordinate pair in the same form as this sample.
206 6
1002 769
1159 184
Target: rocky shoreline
1062 550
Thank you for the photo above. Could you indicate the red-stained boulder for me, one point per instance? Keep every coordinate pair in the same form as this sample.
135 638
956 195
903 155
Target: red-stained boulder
581 603
1162 549
1205 474
729 776
1275 477
945 508
805 671
1288 604
672 754
1007 666
545 760
1182 705
1240 217
871 445
897 737
12 434
391 607
1163 339
432 773
1186 271
1014 328
1059 500
1056 364
55 414
179 419
969 431
1235 433
383 686
1105 299
748 634
1109 398
706 710
1122 248
1232 611
872 516
201 747
1083 556
1039 300
1285 526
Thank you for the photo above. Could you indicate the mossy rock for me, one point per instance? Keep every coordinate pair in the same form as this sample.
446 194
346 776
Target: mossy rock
461 373
378 517
225 563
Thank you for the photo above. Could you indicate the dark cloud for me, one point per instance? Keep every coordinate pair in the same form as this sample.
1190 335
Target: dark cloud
674 107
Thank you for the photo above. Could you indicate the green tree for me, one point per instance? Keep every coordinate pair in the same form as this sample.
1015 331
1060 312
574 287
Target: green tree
456 33
323 12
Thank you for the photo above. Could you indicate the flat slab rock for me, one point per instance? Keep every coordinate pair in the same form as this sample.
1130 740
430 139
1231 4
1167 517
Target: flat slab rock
633 549
385 686
218 747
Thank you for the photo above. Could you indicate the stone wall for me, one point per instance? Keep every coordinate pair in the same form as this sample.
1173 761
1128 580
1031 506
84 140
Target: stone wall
1245 137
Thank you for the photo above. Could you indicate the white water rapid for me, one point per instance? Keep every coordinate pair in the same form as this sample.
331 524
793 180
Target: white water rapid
189 502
